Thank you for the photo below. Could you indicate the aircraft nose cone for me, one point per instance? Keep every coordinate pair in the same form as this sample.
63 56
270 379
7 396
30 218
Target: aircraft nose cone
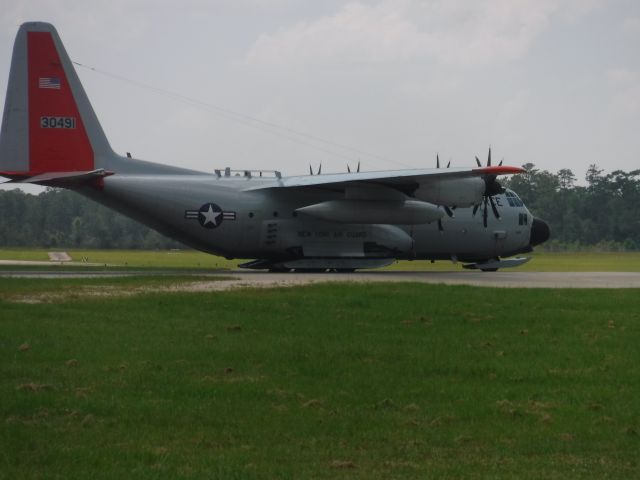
540 232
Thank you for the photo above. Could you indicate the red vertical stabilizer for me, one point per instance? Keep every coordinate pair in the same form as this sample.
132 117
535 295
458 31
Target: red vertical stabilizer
58 141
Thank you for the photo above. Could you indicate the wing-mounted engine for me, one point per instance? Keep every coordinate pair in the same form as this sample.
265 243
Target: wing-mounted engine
455 191
458 192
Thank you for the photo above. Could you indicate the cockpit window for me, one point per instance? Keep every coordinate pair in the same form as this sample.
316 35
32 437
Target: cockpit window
513 199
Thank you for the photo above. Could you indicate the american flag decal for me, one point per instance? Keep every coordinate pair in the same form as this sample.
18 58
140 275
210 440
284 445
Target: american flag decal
49 82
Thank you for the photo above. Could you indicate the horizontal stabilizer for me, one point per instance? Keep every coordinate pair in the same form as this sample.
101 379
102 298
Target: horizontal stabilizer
60 179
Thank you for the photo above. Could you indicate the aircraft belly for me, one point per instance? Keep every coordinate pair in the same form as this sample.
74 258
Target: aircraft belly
336 249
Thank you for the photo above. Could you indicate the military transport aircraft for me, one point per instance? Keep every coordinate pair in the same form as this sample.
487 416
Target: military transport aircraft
51 136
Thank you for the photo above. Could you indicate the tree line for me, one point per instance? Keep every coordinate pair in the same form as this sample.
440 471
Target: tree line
603 214
59 218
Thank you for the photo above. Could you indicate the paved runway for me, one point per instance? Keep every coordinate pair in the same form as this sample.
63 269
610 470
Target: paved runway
512 279
505 279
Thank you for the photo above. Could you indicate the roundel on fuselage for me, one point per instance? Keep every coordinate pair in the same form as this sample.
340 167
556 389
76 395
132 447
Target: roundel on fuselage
210 215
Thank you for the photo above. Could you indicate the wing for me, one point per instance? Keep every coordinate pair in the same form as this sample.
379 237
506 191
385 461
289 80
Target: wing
451 186
397 179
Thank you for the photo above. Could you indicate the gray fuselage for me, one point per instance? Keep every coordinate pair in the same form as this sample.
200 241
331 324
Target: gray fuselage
263 223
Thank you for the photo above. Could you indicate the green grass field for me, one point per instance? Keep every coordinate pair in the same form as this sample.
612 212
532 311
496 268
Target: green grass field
329 381
189 259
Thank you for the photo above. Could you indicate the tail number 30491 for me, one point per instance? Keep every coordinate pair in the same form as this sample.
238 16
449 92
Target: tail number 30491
57 122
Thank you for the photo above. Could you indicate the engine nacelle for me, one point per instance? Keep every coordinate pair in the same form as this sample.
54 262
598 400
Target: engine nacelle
459 192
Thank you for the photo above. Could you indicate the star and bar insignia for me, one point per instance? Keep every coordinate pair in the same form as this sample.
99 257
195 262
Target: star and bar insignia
209 215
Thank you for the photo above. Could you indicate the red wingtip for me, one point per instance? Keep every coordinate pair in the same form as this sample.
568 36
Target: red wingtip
500 170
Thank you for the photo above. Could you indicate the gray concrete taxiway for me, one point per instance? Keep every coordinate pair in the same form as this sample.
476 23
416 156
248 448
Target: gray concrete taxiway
245 278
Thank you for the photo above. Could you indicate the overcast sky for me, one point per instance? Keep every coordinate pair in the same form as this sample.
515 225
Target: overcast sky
551 82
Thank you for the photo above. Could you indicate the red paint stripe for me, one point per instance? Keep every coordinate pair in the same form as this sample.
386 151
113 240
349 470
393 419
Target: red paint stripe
500 170
53 149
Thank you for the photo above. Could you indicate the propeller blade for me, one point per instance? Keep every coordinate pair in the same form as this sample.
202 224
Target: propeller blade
319 169
437 161
478 162
348 169
475 209
449 164
484 213
310 170
358 170
448 211
489 158
494 208
500 164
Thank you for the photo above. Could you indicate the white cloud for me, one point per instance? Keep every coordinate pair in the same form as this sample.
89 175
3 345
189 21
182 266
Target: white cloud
625 92
622 77
511 111
456 32
358 32
631 26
